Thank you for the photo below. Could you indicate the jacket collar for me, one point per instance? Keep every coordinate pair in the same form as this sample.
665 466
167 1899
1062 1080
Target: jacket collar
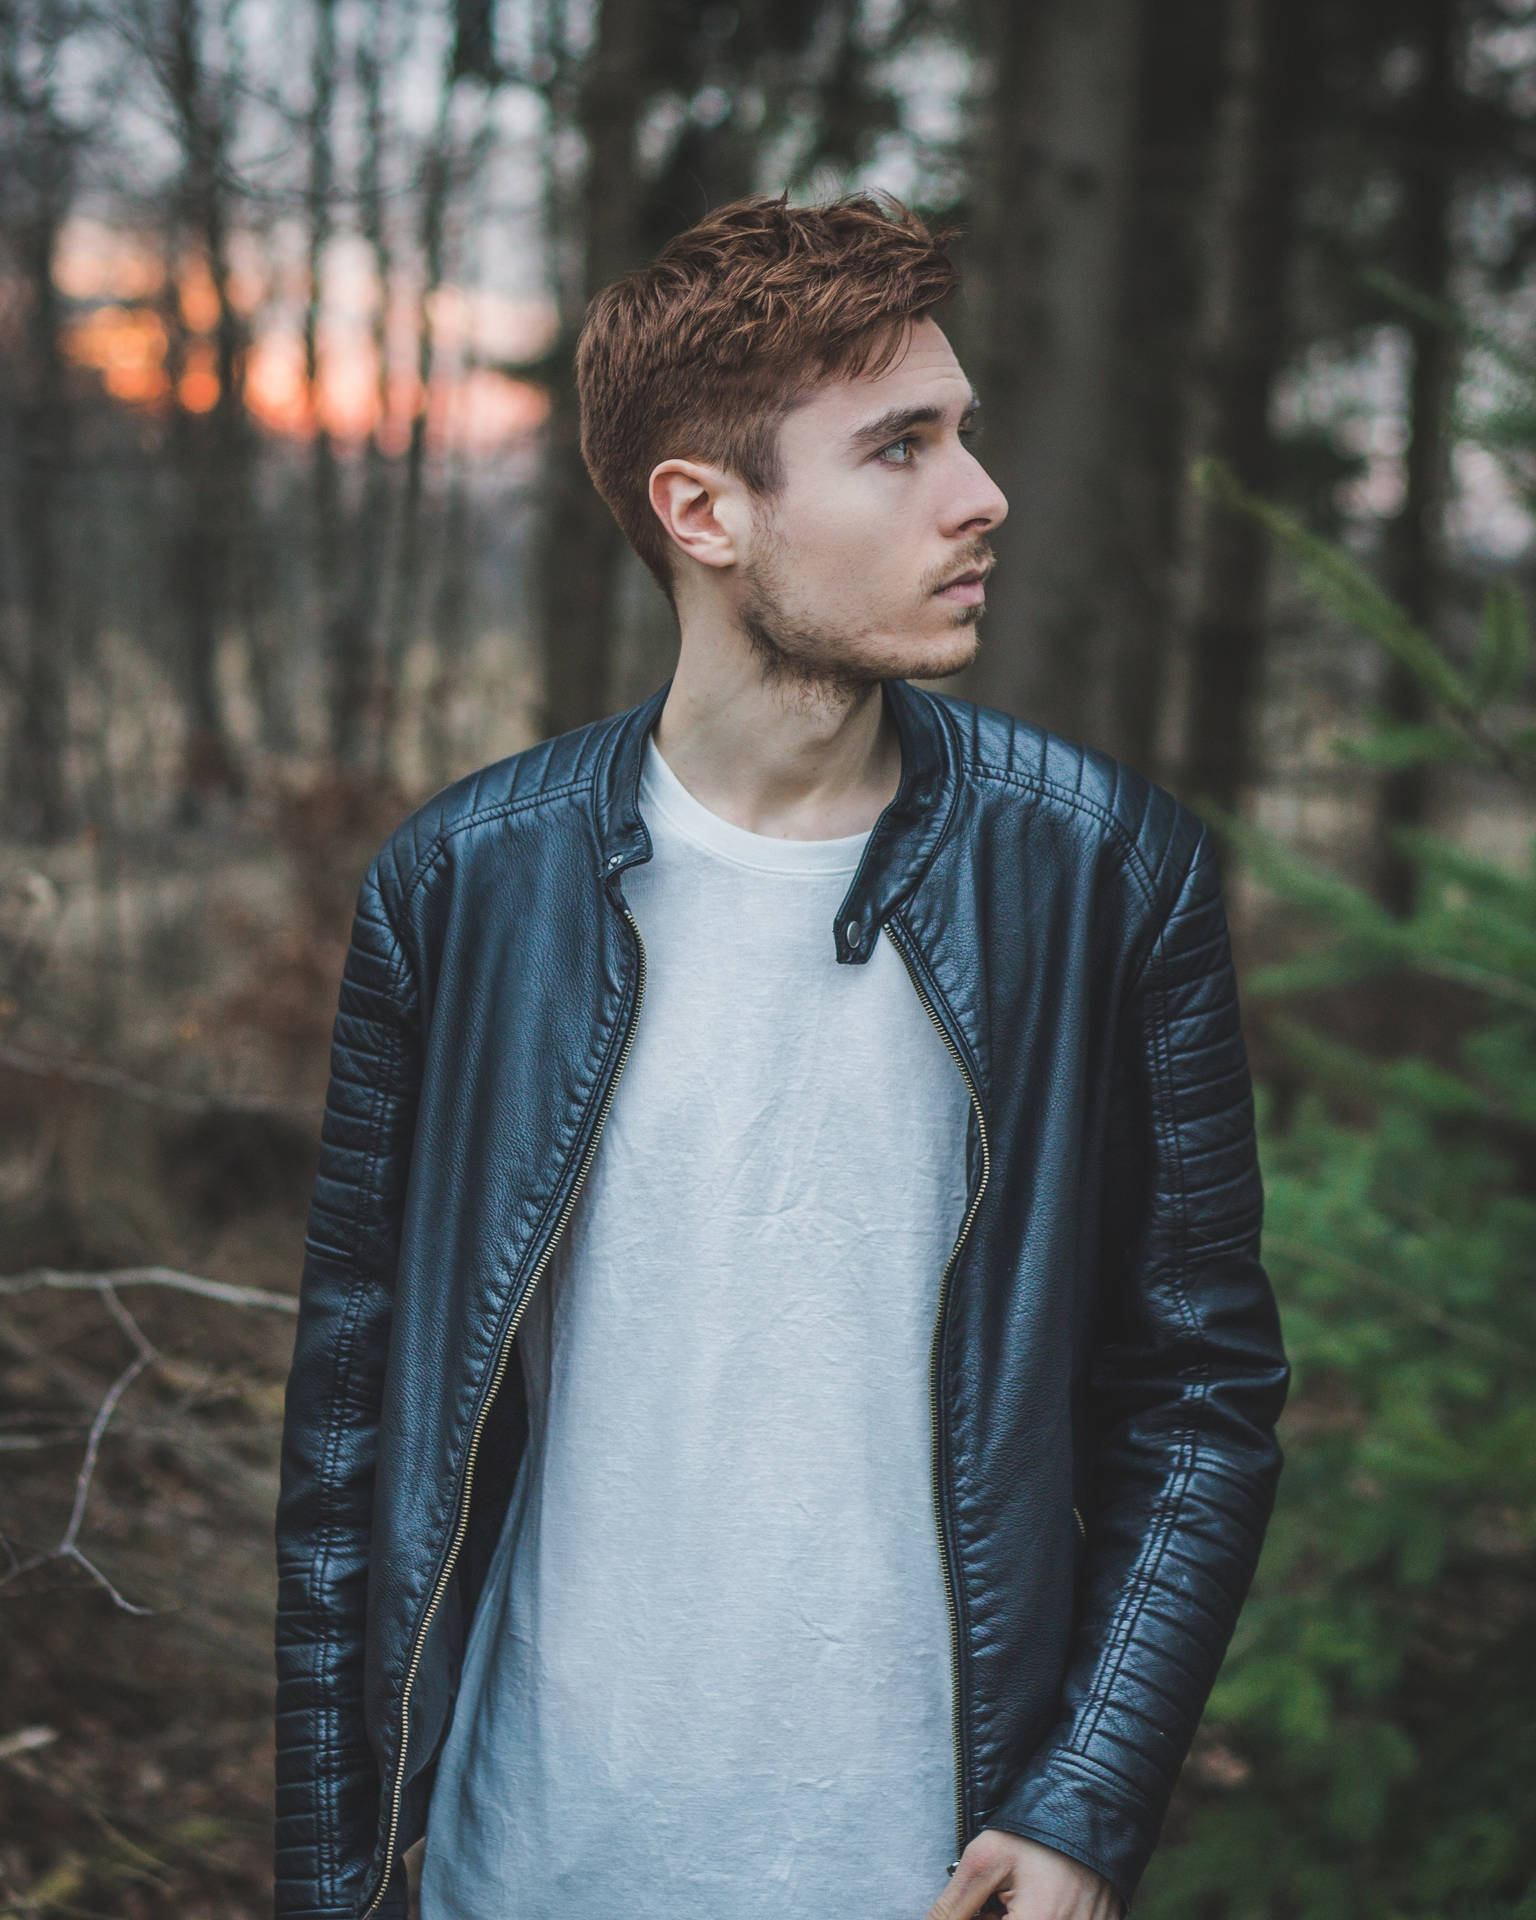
901 843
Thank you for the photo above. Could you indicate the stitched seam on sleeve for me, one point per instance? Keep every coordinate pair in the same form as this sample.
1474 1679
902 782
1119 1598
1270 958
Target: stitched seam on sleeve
400 965
1135 859
1159 941
329 1718
1075 1762
328 1741
1174 1499
499 810
393 1052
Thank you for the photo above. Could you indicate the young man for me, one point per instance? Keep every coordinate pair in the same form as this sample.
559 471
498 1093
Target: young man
783 1415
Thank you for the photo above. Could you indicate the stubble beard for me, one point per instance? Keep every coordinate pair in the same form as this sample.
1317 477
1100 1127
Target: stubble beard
811 663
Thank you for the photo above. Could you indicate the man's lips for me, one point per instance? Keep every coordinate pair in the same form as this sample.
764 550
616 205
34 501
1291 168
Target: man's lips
971 577
969 586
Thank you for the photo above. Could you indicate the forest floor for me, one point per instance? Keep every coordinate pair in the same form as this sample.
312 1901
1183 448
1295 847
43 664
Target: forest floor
164 1029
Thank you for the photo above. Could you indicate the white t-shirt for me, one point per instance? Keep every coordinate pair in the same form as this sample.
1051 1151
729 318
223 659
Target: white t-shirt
709 1676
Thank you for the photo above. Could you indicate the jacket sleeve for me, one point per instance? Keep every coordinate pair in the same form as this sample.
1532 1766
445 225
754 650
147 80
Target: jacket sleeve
1187 1379
327 1781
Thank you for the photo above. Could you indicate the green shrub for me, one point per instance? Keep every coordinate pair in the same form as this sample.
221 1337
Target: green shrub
1369 1752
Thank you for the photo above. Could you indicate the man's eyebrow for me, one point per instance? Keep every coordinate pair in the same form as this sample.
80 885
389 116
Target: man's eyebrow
900 419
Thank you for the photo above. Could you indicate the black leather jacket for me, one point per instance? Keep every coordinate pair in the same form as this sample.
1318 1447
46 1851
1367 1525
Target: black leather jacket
1107 1366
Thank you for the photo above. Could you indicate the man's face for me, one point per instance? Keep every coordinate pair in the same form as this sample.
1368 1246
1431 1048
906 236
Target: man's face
842 581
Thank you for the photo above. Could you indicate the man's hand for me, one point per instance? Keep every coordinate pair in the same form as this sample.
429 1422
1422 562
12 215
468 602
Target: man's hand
1005 1873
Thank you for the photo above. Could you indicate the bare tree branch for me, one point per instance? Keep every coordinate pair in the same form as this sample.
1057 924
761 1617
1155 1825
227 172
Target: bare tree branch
25 1740
236 1476
145 1357
104 1283
82 1073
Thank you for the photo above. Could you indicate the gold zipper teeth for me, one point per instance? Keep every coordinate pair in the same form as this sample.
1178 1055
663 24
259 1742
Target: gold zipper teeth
933 1385
480 1420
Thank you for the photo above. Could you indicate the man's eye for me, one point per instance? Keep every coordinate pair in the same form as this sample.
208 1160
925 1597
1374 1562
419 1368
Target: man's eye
910 440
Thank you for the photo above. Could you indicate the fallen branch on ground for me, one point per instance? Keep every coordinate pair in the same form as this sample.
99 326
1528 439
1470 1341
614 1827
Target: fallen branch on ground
113 1080
106 1283
144 1356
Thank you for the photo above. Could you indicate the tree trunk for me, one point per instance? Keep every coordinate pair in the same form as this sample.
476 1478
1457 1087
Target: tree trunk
579 545
39 187
1242 338
1051 171
437 176
1415 537
451 612
37 788
324 478
213 446
355 637
1179 94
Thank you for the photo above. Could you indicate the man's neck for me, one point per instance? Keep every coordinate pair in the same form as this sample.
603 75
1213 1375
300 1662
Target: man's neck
792 763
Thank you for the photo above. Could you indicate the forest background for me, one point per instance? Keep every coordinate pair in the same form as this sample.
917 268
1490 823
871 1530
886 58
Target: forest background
294 530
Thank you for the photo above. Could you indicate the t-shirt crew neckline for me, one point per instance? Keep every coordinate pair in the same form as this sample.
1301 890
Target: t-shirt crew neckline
660 788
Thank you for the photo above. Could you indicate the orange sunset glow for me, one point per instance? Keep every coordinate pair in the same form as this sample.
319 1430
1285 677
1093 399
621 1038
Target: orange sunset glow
122 336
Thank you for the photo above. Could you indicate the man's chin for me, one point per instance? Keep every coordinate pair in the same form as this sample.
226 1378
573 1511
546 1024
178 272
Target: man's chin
817 665
929 657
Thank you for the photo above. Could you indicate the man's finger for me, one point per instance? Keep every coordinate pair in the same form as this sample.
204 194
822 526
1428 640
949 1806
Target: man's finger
971 1887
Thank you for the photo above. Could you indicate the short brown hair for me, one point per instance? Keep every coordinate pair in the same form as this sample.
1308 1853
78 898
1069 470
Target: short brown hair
702 354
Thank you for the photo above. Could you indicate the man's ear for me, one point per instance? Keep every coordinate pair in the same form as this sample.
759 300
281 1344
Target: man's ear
703 510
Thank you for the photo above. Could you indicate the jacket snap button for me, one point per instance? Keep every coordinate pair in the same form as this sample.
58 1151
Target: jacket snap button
614 859
853 932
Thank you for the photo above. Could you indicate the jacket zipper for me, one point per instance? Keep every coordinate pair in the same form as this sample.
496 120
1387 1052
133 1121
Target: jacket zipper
485 1406
933 1388
957 1718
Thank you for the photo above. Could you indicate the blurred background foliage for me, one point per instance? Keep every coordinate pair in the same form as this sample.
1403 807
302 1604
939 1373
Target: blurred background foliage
1370 1734
293 529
